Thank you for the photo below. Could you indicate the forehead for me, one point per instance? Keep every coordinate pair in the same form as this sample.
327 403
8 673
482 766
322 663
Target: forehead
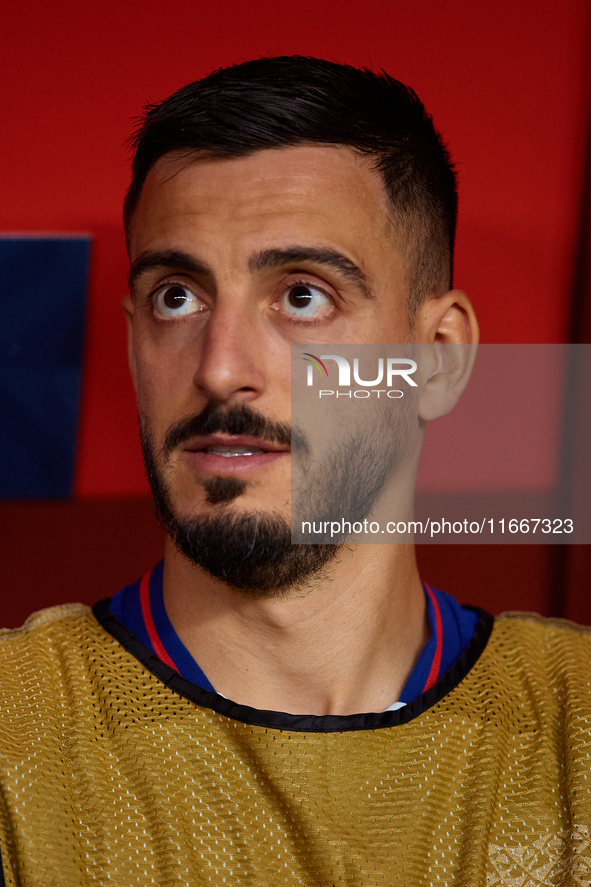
326 193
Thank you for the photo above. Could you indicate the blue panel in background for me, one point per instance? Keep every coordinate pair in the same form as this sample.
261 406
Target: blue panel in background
43 282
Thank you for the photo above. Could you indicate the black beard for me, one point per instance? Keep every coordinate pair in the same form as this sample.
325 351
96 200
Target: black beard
251 552
223 489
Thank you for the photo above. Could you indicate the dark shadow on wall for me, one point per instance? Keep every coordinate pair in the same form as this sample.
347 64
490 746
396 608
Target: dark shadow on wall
61 552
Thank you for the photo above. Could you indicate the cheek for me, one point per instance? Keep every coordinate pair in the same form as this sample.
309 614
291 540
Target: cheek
163 380
165 354
391 325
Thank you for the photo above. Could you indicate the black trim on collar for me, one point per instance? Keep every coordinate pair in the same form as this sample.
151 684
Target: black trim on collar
278 720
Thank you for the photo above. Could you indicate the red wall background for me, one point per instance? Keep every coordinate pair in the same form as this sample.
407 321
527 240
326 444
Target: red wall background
507 84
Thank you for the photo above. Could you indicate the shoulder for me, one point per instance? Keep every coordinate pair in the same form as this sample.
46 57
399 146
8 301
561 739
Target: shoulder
536 633
56 674
542 658
44 617
50 644
43 624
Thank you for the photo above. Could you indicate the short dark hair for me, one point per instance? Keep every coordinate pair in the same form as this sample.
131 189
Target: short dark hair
293 100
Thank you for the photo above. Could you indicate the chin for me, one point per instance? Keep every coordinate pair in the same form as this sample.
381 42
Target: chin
233 540
249 551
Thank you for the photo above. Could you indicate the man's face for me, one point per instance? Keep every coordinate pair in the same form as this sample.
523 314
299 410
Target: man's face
233 261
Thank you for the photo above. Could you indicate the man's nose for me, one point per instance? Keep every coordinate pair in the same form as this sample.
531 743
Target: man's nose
232 355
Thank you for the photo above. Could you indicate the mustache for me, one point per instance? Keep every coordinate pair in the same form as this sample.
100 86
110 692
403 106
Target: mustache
238 419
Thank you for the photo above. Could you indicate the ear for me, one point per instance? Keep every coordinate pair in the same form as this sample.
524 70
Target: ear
449 329
129 309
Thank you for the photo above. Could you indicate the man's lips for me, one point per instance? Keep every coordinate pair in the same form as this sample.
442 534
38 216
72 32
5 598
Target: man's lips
225 454
232 442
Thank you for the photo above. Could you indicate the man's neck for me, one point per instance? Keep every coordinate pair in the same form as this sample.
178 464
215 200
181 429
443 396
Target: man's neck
347 645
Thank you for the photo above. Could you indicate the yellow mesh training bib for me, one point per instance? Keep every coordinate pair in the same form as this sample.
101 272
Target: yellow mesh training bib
117 771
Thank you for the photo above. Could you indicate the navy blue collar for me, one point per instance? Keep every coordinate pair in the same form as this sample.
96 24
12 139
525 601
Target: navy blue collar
140 608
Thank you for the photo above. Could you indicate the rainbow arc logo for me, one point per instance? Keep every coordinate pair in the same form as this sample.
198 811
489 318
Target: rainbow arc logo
316 362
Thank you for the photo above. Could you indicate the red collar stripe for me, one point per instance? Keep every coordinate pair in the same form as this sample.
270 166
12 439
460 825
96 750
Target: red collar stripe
162 654
149 622
436 664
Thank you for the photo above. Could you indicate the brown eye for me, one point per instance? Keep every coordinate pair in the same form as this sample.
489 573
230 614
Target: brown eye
306 301
176 300
174 297
300 296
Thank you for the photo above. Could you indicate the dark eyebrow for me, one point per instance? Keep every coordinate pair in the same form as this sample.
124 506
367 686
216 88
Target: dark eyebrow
170 258
266 259
277 258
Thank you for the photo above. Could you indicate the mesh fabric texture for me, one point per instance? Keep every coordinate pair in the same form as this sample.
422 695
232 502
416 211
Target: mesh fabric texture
109 776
